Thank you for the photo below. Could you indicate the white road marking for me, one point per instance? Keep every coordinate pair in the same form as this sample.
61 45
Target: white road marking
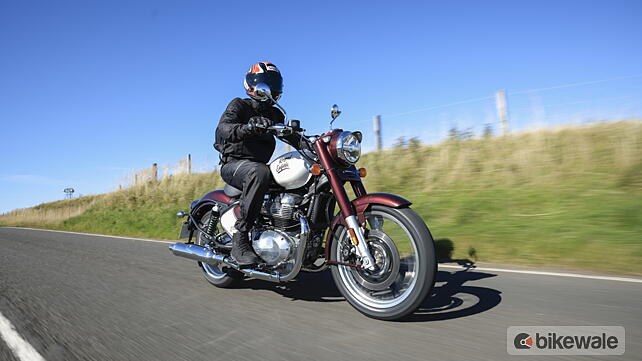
541 273
94 235
21 348
544 273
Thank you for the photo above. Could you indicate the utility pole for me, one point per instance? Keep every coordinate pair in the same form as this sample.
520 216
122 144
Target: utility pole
377 129
502 110
189 164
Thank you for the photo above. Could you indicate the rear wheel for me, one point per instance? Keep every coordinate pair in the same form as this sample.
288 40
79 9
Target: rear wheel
223 278
404 254
215 274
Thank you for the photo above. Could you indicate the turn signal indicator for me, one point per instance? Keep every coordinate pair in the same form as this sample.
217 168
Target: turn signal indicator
315 169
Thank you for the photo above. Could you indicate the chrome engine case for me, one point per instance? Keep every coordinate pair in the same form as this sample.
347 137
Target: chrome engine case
275 247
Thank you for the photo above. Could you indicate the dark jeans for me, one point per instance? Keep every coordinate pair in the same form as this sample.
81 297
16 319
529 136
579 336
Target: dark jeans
253 179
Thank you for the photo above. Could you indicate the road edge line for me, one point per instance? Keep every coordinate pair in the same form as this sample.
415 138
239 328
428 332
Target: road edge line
20 347
94 234
545 273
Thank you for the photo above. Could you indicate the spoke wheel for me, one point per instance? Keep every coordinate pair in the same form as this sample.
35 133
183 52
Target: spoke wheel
405 264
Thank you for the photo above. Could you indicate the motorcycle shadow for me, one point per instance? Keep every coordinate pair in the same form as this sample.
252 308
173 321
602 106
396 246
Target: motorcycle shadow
452 297
314 287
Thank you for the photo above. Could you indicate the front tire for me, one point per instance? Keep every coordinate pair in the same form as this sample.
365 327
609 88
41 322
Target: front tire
404 252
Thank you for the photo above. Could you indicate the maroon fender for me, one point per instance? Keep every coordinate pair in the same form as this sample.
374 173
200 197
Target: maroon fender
218 196
360 205
391 200
206 202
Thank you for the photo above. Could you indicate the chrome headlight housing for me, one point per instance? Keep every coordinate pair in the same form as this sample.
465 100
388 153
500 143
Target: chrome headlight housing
349 147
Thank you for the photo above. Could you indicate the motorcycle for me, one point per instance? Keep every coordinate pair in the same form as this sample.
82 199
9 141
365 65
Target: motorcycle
380 252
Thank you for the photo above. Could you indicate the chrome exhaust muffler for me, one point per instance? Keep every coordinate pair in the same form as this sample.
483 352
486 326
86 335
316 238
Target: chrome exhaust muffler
196 252
202 254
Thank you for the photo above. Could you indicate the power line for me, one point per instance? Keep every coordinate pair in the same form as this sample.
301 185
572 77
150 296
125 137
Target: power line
591 82
473 100
504 111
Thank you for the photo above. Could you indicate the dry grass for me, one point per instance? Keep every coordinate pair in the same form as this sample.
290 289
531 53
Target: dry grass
153 174
546 156
49 213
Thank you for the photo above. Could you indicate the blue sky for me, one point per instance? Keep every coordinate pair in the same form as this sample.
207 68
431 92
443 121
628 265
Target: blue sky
92 90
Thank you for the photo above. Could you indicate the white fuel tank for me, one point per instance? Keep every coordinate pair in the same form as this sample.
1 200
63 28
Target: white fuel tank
291 170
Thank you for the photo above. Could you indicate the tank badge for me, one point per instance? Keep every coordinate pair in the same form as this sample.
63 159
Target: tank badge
283 165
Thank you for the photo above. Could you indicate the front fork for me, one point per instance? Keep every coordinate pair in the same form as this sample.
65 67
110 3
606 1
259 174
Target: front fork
359 240
347 211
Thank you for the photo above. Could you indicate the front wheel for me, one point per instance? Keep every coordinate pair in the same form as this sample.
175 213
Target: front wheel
404 254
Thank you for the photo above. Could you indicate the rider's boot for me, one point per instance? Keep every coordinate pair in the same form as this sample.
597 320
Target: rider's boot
242 251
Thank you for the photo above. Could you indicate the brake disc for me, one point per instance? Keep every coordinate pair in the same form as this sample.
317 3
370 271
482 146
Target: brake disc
386 257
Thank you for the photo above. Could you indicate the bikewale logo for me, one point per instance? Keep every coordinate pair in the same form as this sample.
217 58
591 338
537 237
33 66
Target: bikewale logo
523 341
565 340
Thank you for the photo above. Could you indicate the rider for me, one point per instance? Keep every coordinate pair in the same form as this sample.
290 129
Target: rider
246 147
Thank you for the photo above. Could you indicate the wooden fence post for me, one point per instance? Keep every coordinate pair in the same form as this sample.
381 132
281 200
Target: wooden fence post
154 172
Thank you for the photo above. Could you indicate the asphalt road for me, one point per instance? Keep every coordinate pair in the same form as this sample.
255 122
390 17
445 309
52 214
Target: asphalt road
81 297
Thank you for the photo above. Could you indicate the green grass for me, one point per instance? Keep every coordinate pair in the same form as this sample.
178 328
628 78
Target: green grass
564 198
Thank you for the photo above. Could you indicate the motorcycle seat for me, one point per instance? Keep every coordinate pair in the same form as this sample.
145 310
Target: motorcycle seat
231 191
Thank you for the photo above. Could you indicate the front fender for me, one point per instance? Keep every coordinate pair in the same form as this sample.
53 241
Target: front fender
361 205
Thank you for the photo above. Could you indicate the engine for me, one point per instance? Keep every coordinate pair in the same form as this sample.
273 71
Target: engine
281 210
276 246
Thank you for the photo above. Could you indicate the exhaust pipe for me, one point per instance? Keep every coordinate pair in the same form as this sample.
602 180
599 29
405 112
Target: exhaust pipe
196 252
202 254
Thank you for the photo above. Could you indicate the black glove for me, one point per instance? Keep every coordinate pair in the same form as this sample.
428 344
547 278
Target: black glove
257 124
261 122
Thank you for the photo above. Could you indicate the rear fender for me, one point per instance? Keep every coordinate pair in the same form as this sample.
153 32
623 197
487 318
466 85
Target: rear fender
361 205
217 197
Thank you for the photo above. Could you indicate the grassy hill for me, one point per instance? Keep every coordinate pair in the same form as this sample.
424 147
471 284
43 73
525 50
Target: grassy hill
567 197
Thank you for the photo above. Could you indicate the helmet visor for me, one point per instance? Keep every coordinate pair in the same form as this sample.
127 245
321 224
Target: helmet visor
271 78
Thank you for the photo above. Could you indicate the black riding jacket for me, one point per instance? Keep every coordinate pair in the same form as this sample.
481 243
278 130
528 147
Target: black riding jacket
231 141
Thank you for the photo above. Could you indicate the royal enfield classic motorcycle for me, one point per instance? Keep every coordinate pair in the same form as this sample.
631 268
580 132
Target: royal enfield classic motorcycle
380 252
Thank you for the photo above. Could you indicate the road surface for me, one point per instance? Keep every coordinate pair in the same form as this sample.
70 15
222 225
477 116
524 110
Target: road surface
84 297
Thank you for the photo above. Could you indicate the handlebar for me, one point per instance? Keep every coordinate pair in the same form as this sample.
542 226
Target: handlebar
282 128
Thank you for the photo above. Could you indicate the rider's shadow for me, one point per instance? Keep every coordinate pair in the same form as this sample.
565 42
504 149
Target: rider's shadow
455 295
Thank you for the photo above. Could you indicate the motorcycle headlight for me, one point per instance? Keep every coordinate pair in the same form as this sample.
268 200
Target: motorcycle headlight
349 147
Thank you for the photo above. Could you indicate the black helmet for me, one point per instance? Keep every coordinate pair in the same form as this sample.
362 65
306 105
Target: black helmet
266 73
